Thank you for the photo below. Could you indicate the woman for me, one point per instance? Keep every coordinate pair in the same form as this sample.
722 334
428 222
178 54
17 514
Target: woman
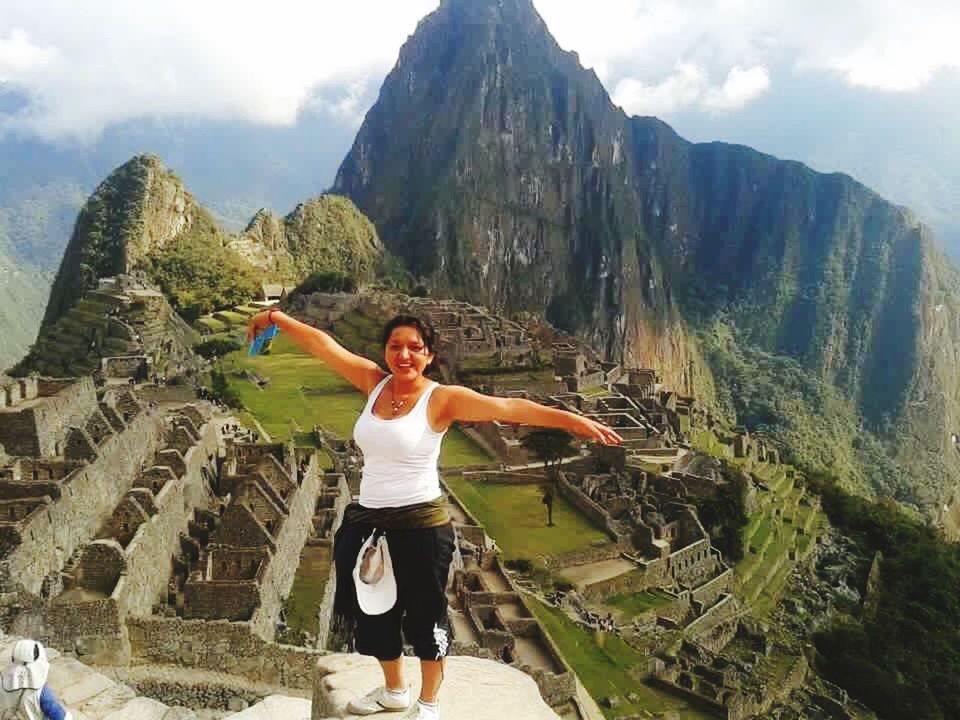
399 433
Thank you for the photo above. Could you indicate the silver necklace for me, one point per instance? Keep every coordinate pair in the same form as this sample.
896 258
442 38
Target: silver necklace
396 405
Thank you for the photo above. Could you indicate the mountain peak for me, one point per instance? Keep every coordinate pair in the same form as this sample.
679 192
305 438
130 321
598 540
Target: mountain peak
140 207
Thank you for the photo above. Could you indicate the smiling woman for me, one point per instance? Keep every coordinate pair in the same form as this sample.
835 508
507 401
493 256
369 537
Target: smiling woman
400 431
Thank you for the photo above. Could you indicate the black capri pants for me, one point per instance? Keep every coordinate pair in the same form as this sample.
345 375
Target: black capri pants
421 562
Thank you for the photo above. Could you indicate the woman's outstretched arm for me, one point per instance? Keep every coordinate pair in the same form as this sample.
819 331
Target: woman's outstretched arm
457 403
360 372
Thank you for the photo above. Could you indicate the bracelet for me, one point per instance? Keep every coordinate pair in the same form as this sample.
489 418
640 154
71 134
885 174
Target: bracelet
270 313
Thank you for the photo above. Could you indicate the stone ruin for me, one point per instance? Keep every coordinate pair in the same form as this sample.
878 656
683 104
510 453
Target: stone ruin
125 330
134 533
323 309
647 419
656 529
579 371
489 616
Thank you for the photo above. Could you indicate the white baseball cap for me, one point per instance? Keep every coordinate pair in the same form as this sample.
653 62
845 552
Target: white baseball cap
373 576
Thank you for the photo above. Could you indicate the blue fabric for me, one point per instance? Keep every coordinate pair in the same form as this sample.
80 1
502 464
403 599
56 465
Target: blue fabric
50 705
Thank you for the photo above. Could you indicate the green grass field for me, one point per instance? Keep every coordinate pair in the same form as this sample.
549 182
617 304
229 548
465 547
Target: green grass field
632 604
308 588
210 324
604 667
303 392
233 318
516 518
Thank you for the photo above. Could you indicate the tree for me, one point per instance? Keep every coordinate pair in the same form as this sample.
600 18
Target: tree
327 282
548 501
550 446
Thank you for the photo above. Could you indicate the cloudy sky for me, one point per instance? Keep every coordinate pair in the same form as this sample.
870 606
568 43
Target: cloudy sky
767 72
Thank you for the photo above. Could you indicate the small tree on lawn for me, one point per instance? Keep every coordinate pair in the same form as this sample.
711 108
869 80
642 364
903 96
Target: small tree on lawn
550 446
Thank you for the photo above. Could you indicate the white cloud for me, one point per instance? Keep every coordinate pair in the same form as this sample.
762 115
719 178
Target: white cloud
644 46
18 54
688 87
740 87
677 91
85 65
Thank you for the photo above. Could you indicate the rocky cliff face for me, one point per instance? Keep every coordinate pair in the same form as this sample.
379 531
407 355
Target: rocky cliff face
498 167
490 156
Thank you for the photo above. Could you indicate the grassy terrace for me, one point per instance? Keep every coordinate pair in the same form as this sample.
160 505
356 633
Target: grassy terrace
770 539
604 666
630 605
303 392
515 516
308 588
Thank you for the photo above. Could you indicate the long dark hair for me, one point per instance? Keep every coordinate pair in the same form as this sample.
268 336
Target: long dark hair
422 326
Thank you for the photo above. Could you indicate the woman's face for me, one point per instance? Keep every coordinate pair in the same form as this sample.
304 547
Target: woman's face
406 354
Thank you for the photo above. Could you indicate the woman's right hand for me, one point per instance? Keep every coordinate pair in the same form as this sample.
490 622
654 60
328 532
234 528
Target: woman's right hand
258 323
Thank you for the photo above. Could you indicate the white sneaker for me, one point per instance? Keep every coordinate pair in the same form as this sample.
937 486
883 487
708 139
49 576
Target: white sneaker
380 700
419 711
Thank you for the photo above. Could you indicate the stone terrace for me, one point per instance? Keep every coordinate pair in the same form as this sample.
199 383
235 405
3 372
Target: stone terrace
240 566
72 456
119 573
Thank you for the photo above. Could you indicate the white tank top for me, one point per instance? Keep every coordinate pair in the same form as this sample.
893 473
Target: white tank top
399 456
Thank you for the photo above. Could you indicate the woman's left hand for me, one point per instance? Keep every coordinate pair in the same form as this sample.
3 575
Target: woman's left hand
592 430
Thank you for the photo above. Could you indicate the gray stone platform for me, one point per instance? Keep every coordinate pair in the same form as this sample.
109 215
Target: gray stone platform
473 689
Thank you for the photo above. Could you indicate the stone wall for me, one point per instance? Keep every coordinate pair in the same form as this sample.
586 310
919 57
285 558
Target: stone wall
234 600
596 514
100 567
131 366
709 592
150 553
37 429
222 646
290 540
501 477
742 706
509 452
93 629
90 495
325 613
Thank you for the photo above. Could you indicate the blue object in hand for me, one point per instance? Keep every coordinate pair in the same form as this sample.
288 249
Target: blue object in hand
259 341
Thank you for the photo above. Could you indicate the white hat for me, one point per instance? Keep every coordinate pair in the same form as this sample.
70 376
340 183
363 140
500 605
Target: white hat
373 577
29 667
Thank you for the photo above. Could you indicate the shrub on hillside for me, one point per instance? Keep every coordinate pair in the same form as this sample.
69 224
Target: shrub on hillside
221 390
326 282
901 658
199 275
215 348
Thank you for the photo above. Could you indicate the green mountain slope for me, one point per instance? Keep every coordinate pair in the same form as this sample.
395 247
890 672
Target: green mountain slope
142 219
23 295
